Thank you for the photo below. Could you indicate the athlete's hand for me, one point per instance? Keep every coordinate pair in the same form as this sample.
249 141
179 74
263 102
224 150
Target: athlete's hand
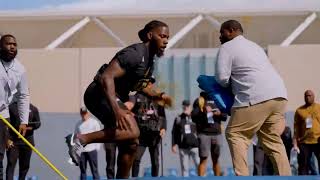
165 100
122 119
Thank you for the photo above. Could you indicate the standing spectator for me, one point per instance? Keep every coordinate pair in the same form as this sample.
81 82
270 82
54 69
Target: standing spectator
286 137
90 152
110 149
307 132
13 84
16 148
151 119
208 120
258 157
262 163
184 137
260 99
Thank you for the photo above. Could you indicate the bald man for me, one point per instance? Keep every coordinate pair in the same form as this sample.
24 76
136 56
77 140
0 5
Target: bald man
260 99
307 132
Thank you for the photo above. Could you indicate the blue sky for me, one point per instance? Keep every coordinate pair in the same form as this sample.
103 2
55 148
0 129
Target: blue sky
31 4
158 4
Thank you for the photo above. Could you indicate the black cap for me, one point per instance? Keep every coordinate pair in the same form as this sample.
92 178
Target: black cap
186 103
204 95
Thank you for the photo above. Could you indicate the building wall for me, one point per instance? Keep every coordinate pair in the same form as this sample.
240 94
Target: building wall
298 66
265 30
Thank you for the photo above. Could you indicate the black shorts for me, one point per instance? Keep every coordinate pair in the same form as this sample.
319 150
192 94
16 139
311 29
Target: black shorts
97 103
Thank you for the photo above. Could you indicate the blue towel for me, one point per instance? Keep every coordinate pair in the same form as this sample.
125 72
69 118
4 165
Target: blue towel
221 96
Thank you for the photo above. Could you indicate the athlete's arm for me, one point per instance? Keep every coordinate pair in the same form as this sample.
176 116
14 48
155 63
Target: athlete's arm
112 72
157 95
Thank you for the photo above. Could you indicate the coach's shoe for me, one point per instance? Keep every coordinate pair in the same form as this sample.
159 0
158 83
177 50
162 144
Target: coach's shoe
75 148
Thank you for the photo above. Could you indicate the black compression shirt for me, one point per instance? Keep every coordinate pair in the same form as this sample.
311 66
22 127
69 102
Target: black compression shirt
138 66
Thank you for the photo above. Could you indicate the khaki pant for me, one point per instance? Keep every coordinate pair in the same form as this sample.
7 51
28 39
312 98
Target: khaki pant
265 119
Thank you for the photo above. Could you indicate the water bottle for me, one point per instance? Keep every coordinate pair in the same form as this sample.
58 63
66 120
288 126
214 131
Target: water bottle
294 161
293 157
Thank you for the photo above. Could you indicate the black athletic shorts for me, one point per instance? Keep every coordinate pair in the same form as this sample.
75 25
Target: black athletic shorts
97 103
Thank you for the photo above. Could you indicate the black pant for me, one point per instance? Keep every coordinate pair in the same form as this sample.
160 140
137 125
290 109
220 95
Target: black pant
258 158
110 159
22 152
3 142
150 140
262 164
305 155
92 158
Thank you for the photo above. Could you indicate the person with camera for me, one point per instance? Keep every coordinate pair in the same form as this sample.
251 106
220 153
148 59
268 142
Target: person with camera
151 120
184 137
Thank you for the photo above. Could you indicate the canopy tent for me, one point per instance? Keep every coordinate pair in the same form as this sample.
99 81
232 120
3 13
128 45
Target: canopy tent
193 24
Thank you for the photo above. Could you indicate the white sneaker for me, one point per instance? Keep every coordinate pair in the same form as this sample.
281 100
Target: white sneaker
75 148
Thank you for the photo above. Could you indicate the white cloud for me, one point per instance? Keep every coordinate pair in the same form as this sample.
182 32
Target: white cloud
196 5
98 4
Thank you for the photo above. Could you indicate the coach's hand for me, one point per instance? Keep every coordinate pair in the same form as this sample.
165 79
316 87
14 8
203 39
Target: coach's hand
23 129
122 120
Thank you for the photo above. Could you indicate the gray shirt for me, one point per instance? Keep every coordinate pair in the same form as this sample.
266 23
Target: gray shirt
245 66
14 86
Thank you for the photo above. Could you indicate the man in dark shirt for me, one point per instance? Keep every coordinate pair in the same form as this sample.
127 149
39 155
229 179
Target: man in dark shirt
129 70
184 137
208 120
16 148
152 123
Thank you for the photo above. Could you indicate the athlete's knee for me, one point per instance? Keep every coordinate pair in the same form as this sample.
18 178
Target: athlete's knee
131 146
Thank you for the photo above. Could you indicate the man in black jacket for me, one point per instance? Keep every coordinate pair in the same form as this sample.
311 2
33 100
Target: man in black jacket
184 136
16 148
151 120
208 120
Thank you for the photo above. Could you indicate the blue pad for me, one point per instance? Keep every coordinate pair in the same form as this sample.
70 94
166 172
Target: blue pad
221 96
